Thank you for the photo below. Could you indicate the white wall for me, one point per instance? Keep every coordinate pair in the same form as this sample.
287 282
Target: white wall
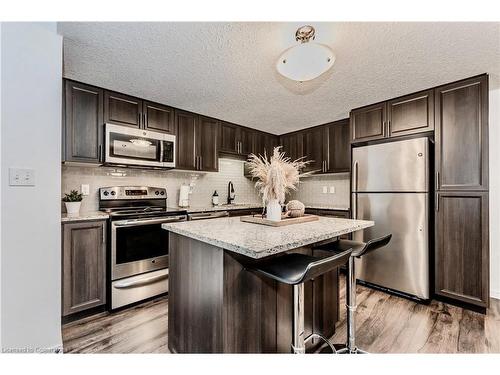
31 71
494 136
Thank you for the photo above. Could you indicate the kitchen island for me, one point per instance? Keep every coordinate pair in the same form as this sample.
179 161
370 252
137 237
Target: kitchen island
217 306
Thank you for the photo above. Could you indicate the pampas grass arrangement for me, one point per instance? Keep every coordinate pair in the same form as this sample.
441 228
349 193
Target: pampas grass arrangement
276 176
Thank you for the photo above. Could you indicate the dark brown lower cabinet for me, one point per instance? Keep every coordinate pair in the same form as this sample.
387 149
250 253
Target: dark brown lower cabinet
461 247
83 266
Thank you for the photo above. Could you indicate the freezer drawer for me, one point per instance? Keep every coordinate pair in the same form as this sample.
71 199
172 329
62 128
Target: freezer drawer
390 167
402 265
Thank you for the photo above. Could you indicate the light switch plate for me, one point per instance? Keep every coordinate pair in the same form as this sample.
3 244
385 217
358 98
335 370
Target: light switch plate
85 189
325 189
332 189
21 177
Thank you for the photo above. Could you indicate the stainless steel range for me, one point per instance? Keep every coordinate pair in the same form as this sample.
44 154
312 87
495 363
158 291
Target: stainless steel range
138 247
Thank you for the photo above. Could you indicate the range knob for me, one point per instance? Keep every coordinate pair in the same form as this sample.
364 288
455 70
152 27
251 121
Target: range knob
106 193
157 192
113 193
162 192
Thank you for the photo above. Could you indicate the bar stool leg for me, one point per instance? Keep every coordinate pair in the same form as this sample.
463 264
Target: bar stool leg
351 306
298 343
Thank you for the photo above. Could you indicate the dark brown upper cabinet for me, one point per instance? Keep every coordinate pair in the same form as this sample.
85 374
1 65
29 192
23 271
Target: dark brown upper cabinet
228 141
264 143
292 145
411 114
315 149
207 136
338 153
369 123
158 117
186 124
83 119
462 135
461 247
197 142
84 266
245 137
122 109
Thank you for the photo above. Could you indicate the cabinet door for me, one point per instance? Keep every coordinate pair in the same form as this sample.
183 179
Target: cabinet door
368 123
186 140
292 145
462 250
411 114
84 272
245 137
462 135
83 130
314 149
228 141
270 142
207 144
339 147
122 109
258 143
158 118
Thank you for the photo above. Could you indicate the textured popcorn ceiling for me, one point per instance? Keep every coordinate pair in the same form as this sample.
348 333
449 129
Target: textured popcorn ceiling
227 70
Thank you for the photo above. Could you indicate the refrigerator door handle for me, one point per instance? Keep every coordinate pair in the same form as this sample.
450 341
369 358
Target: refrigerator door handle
355 176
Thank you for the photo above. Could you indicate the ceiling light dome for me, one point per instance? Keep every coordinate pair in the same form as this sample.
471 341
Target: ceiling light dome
307 60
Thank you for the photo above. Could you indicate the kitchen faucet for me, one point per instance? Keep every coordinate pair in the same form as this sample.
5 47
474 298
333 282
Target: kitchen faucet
230 193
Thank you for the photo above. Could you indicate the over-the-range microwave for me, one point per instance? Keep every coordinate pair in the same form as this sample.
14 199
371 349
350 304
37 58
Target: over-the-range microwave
125 146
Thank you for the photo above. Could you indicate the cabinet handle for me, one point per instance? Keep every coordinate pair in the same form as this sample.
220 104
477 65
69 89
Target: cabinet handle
437 180
437 202
197 162
239 147
201 163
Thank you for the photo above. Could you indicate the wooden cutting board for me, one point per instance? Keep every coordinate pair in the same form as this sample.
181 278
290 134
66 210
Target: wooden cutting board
286 221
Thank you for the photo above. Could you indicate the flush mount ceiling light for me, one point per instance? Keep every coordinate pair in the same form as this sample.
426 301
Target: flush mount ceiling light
307 60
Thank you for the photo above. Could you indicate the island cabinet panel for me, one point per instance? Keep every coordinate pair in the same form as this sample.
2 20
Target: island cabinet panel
83 120
462 135
368 123
158 118
462 252
411 114
217 305
122 109
195 297
83 273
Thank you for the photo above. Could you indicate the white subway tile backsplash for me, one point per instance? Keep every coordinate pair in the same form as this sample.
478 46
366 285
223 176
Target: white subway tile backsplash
204 183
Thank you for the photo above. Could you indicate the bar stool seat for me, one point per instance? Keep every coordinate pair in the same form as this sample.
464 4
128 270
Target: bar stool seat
295 269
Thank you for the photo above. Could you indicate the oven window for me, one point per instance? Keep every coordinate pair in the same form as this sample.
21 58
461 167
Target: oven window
134 147
140 242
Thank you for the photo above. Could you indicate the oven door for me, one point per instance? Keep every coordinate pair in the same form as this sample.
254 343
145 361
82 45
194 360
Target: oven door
139 245
138 147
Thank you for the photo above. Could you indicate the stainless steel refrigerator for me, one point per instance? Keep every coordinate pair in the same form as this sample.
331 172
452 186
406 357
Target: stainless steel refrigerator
390 185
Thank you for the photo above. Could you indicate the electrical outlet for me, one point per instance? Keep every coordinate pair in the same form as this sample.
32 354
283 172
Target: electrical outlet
325 189
21 177
85 189
332 189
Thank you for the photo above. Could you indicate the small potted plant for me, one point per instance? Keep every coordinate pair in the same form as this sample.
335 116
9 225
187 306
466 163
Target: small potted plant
275 176
72 201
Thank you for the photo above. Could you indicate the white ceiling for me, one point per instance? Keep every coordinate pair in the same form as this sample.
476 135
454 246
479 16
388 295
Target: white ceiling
227 70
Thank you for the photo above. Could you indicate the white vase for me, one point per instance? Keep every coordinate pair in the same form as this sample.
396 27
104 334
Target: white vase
273 210
73 208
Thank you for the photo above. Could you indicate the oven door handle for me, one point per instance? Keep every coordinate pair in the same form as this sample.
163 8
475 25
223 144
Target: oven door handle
132 223
141 282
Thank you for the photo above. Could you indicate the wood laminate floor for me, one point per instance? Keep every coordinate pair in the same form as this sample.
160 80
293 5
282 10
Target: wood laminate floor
385 324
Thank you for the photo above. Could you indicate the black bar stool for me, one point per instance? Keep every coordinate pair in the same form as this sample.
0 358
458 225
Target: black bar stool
295 269
359 249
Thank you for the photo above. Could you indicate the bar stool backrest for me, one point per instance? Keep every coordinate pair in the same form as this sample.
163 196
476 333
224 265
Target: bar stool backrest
372 245
319 267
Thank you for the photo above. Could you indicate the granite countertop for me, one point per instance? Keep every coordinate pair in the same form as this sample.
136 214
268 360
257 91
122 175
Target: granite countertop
258 241
85 216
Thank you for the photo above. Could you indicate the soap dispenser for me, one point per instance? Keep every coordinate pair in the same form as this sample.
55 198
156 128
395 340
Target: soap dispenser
215 198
